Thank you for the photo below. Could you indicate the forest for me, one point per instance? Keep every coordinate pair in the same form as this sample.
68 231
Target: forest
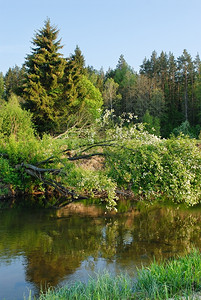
82 132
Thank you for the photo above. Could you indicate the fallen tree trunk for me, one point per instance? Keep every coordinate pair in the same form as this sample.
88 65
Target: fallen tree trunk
52 177
39 173
38 170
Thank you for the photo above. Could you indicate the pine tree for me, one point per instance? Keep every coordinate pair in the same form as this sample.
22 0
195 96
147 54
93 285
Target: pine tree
185 79
43 85
198 95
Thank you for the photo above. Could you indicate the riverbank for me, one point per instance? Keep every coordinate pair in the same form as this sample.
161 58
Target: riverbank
104 161
179 278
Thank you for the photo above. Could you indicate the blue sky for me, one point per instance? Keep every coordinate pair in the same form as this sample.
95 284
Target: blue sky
103 29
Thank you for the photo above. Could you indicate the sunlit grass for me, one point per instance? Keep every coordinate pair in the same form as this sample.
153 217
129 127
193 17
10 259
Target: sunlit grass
175 279
103 287
178 277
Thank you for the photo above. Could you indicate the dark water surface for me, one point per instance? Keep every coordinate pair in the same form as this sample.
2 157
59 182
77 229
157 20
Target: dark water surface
40 248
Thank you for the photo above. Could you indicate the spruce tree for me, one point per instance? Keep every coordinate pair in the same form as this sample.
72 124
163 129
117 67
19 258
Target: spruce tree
81 100
73 72
44 73
74 69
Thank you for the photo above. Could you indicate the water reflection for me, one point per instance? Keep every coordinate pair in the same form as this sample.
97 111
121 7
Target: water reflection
53 247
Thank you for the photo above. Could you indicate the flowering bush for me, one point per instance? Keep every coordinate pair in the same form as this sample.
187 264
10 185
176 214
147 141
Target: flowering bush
134 159
153 167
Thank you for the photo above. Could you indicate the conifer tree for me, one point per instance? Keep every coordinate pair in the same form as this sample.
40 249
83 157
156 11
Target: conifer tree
125 77
185 77
14 81
80 102
97 77
74 69
43 85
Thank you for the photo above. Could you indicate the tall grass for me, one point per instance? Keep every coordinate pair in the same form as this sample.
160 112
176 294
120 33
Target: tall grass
178 277
175 279
103 287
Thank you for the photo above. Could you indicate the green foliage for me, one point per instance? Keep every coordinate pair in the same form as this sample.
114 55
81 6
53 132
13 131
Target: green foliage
99 182
74 69
152 124
125 77
18 138
84 107
14 81
52 86
18 143
157 105
152 167
96 77
168 87
91 100
184 129
134 160
110 95
179 277
178 81
14 120
62 96
7 172
44 71
182 170
102 287
57 90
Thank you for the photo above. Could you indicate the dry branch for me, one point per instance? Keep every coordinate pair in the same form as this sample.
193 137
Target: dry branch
41 170
86 156
38 173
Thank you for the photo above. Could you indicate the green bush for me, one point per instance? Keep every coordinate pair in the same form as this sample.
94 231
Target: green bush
153 167
18 143
14 120
8 173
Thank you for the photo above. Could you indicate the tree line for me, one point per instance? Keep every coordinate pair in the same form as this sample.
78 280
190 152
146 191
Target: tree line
63 92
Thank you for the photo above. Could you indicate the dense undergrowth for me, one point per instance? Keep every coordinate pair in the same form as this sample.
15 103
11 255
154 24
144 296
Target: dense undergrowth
174 279
132 160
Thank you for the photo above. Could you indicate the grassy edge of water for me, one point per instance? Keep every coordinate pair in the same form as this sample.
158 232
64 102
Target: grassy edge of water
178 278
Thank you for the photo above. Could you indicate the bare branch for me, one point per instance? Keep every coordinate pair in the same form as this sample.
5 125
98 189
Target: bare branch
86 156
39 170
50 160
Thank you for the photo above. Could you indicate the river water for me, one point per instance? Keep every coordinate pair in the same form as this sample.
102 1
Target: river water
49 247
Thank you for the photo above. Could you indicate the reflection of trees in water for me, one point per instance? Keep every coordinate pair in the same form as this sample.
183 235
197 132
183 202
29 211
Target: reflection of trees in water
56 243
47 269
72 241
161 233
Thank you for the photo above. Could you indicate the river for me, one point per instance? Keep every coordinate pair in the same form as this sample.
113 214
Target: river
49 247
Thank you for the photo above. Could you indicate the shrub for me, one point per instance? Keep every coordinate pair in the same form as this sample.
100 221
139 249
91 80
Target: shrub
152 167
